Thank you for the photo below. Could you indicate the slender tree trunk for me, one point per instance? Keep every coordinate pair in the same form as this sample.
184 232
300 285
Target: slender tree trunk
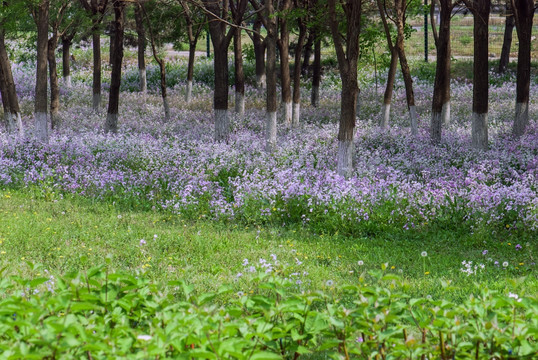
271 100
316 73
441 89
297 74
239 75
220 95
53 77
480 9
190 71
285 76
507 41
96 86
111 124
112 43
524 12
5 102
66 61
40 110
389 87
259 54
164 94
310 42
409 93
141 35
9 98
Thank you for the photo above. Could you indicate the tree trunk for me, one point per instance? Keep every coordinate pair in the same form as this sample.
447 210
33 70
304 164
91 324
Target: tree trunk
347 63
480 9
507 42
259 54
387 97
239 75
316 73
141 35
112 43
220 95
53 77
524 12
297 74
9 98
111 124
66 61
310 41
441 89
164 95
409 93
271 100
40 110
190 71
96 86
285 77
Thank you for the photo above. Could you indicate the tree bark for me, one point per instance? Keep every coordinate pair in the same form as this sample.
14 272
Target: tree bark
220 94
259 55
40 109
480 10
239 75
408 81
285 76
524 12
507 41
190 71
53 78
111 124
66 61
9 94
387 97
310 41
96 86
141 37
297 73
316 73
347 63
271 100
441 89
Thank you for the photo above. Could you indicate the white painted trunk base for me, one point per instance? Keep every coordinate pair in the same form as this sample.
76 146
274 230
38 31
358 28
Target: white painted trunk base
413 120
67 81
344 160
143 80
314 98
166 108
111 124
385 116
17 119
480 131
41 127
188 95
521 119
222 125
296 115
287 110
270 131
96 102
445 113
261 81
239 104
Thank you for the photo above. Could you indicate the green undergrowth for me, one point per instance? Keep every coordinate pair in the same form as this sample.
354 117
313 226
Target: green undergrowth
70 233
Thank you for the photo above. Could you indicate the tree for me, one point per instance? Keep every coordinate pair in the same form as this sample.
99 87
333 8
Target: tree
96 9
217 15
259 52
195 24
480 10
346 44
41 15
302 7
10 101
239 74
283 45
441 87
523 13
507 40
141 46
111 123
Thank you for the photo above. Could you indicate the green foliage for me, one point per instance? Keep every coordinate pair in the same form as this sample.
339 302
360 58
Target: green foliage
100 313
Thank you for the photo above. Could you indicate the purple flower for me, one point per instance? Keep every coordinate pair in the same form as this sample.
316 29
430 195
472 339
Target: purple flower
518 247
485 252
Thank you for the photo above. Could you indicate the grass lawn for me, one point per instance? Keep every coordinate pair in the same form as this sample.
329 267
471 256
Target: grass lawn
70 233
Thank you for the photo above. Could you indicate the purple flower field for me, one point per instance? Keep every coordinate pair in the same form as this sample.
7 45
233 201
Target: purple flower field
176 166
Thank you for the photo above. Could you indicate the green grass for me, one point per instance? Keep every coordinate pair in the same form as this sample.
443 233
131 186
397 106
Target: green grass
74 233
